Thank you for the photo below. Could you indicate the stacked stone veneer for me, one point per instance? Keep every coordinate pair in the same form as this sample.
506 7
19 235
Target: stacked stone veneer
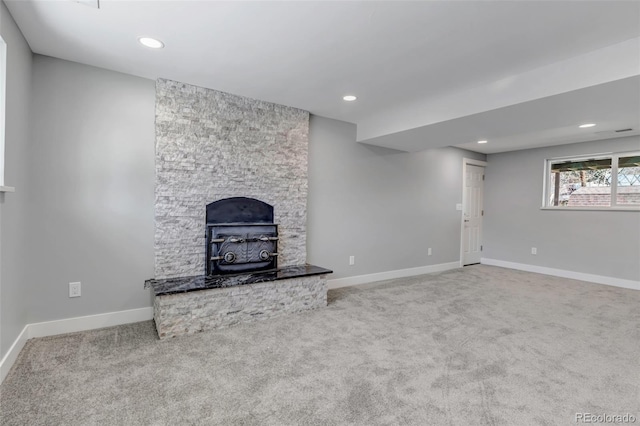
212 145
188 313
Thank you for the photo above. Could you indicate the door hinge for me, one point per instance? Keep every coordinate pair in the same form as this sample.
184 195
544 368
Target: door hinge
480 248
482 214
482 177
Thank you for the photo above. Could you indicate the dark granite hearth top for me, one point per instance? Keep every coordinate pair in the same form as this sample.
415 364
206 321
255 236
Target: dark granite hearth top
203 282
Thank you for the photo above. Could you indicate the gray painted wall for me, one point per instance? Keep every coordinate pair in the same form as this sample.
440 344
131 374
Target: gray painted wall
593 242
383 206
13 206
93 176
91 194
91 181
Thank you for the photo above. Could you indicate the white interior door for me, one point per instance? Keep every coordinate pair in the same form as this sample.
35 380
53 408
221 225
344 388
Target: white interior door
472 214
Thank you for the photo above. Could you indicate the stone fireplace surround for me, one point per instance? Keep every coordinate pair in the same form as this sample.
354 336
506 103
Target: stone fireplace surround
212 145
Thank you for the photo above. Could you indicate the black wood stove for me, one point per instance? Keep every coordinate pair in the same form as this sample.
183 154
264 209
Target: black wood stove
241 236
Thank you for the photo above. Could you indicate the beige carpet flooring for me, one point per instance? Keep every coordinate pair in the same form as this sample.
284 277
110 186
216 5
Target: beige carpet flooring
474 346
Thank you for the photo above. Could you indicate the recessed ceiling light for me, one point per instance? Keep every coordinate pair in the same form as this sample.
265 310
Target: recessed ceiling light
584 126
349 98
151 42
482 141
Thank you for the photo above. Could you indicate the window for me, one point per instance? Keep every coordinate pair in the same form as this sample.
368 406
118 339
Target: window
628 193
3 74
601 181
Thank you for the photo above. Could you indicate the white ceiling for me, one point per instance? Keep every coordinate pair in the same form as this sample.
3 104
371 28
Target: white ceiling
413 65
613 106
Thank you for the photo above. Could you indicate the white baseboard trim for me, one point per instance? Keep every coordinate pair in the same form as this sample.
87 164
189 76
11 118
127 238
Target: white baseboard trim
70 325
89 322
12 354
599 279
389 275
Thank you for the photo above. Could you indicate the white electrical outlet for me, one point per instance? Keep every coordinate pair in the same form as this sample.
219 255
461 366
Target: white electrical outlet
429 251
74 289
352 260
534 250
458 206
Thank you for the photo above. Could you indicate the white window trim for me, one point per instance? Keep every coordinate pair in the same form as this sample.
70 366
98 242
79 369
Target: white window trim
614 182
3 85
3 82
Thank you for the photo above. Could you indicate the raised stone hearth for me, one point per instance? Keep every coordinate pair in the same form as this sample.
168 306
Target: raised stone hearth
192 304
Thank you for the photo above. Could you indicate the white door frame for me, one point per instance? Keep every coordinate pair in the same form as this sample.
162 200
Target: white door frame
473 162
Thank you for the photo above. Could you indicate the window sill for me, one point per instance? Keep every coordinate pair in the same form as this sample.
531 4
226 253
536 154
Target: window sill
599 209
7 189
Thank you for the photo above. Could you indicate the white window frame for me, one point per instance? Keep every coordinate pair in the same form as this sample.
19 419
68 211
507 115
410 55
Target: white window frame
3 82
3 111
547 190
